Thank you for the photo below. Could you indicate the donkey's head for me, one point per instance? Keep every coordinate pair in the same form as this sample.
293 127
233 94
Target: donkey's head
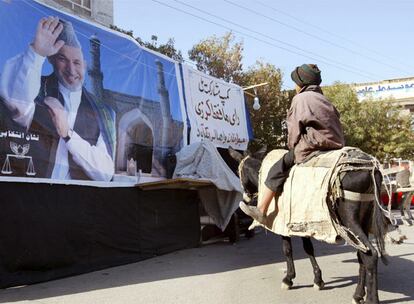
249 167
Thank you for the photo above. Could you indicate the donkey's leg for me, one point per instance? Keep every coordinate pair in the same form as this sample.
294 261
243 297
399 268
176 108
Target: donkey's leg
308 247
370 260
405 208
402 205
287 281
360 290
352 214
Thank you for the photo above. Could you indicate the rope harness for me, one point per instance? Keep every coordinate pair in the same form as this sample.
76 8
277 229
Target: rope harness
353 160
348 163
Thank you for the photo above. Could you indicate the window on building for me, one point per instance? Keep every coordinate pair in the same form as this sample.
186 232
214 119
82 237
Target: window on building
80 7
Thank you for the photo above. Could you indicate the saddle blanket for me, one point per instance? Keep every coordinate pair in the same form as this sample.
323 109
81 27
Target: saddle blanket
303 205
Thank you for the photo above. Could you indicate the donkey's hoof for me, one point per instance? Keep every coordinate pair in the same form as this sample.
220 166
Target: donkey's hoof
361 301
406 221
285 286
319 287
286 283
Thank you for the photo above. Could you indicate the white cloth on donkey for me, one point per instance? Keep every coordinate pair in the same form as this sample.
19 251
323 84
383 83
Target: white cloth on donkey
303 205
303 210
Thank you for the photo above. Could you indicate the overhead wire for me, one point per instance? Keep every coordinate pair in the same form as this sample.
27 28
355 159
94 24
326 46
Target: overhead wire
261 40
274 39
313 35
104 45
330 33
126 56
43 13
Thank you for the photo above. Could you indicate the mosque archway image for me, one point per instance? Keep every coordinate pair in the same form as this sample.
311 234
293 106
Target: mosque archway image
135 141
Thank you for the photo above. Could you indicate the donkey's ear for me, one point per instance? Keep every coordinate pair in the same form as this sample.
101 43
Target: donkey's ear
236 155
261 153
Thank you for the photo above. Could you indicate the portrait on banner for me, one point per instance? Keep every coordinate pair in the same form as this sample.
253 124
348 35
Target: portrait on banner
80 102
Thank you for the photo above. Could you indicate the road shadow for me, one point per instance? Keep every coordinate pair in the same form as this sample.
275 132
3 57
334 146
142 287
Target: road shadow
340 282
396 278
217 257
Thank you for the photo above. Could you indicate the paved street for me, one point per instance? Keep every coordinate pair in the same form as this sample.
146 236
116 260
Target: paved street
248 272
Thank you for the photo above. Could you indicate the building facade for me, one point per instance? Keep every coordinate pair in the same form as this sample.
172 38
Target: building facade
400 90
100 11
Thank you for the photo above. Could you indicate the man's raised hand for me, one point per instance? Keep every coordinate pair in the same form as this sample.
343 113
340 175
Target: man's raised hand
47 32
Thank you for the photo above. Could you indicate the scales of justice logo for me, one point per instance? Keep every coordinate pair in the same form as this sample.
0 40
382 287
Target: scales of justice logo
20 152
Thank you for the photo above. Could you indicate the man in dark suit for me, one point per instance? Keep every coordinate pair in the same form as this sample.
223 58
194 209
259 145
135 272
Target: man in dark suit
76 132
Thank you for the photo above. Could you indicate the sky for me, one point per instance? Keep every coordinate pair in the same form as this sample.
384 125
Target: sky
351 41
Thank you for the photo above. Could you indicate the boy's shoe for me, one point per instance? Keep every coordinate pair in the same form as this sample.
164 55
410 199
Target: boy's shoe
253 212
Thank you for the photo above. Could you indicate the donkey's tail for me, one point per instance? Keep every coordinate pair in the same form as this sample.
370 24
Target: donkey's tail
380 221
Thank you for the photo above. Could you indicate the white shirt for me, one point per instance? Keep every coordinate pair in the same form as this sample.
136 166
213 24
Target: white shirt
19 86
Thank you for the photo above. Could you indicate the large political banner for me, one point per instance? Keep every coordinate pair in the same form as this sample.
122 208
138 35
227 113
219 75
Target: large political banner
216 110
81 102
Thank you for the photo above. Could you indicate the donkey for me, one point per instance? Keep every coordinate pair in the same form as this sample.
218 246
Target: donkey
360 217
